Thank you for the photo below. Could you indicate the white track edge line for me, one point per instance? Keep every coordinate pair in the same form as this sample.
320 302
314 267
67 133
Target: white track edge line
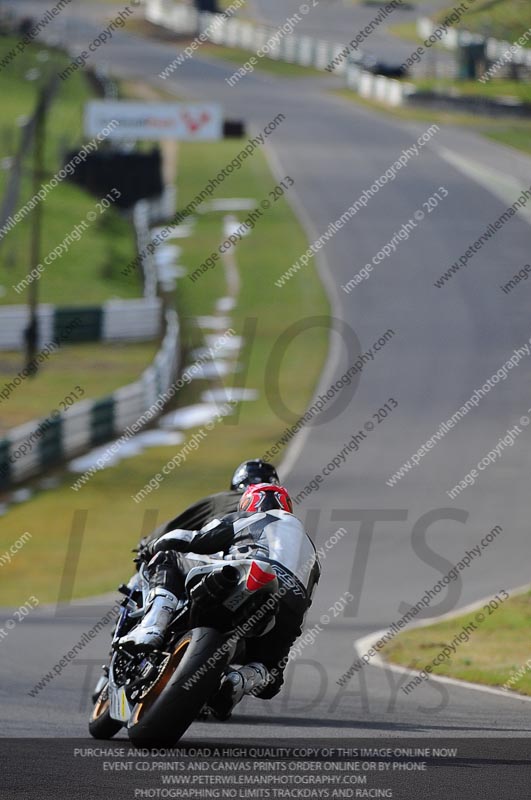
365 643
325 274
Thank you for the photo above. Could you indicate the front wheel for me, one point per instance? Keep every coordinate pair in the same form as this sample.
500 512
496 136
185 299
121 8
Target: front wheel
176 698
101 724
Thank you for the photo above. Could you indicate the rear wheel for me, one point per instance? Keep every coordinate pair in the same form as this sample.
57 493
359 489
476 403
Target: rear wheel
176 698
101 724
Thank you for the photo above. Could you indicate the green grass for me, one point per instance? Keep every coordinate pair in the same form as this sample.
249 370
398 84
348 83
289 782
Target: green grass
512 132
519 138
97 370
498 88
496 650
506 20
114 521
90 271
502 19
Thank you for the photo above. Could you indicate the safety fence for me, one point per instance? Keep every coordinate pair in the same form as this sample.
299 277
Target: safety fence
32 448
113 321
306 51
146 213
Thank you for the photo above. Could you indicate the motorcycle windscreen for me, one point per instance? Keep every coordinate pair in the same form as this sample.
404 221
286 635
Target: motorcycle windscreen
290 545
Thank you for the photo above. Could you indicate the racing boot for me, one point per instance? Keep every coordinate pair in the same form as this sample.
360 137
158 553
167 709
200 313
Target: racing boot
236 684
150 632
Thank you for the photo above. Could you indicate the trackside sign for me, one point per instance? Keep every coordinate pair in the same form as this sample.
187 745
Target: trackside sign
178 121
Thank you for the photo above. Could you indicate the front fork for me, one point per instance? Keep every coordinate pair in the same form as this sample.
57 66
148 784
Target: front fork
102 681
130 609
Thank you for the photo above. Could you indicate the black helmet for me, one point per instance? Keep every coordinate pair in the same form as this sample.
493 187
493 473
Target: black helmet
254 471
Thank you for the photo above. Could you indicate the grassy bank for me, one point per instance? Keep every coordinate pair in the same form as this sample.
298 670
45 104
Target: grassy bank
495 655
114 521
88 274
506 20
97 370
502 19
520 138
492 89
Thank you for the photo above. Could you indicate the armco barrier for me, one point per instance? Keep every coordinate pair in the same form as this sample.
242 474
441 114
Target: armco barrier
30 449
377 87
114 321
291 48
145 214
175 16
306 51
141 221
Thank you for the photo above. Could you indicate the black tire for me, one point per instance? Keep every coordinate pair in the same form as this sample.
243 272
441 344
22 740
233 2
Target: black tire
101 724
163 717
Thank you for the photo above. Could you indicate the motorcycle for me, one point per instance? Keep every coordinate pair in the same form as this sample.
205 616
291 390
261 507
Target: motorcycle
157 694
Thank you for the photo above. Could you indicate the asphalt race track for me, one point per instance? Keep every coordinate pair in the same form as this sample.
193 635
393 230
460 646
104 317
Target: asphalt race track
341 21
446 342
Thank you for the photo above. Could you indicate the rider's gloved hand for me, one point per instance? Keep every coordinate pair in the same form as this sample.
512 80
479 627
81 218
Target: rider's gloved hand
144 552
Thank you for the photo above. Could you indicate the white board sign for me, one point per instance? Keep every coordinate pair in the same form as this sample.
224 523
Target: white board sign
178 121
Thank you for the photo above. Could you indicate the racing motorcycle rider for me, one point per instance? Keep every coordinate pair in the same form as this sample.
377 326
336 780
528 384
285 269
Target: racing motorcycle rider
251 472
265 528
217 505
